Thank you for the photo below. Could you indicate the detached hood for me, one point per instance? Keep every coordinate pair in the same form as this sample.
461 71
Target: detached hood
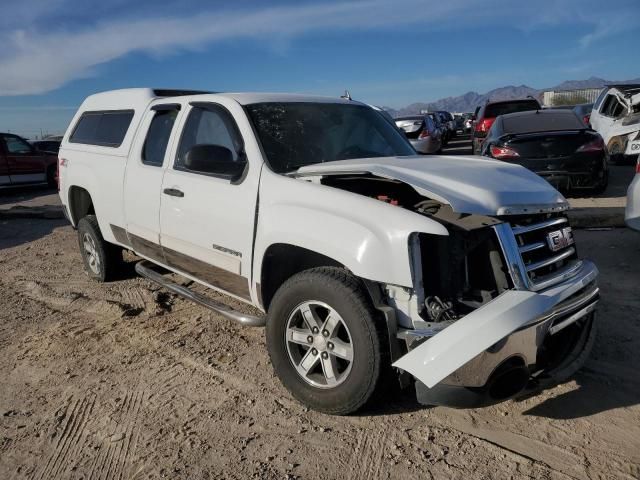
469 184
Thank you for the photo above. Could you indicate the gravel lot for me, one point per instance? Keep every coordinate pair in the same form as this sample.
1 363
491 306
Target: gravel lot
122 380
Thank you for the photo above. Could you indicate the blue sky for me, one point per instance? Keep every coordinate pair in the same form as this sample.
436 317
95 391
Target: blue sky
387 52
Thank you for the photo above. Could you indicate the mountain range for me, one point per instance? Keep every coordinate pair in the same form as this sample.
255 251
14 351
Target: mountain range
469 101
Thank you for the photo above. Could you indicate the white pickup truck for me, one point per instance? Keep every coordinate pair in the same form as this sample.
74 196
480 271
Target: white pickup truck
458 275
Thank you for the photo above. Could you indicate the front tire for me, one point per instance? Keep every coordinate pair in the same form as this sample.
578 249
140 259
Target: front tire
102 260
323 341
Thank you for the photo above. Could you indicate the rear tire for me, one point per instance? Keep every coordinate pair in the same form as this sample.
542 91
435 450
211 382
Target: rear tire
333 300
102 260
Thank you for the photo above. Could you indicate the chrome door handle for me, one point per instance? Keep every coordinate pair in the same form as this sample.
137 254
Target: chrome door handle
174 192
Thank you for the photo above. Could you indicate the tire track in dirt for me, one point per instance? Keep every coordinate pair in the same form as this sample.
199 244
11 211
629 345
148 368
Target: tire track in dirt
76 418
113 459
366 461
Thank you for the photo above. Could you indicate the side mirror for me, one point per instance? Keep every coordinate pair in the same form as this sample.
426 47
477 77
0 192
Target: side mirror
214 160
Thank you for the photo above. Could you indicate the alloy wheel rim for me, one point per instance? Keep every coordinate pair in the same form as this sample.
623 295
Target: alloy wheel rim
91 252
319 344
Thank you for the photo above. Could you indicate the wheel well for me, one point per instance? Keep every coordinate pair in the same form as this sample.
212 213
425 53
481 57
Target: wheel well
80 204
281 261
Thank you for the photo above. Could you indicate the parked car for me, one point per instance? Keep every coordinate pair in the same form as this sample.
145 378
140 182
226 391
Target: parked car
490 111
22 164
583 111
632 210
51 146
459 122
445 126
421 132
450 123
471 283
440 127
616 116
555 144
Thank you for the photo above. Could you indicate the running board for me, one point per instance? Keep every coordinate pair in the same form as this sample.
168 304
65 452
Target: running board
145 269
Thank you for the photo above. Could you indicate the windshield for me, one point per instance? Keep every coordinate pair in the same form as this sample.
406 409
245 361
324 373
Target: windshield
296 134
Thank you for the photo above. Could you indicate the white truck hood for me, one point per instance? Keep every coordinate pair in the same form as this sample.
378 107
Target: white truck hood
469 184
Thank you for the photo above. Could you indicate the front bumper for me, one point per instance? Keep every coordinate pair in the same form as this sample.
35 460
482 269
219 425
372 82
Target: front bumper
495 351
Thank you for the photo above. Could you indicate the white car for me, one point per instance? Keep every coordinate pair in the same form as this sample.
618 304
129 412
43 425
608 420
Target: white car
616 117
459 272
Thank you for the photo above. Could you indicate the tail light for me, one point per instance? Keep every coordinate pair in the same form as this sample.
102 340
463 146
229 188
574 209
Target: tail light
503 153
484 125
596 145
638 166
586 119
424 134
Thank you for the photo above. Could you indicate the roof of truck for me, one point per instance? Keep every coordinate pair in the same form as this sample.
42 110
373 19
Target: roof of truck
132 98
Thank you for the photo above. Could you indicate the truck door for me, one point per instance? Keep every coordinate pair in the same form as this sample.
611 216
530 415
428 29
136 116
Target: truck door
24 163
143 180
207 220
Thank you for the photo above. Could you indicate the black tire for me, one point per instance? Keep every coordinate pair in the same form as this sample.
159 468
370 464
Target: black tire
104 264
342 292
52 182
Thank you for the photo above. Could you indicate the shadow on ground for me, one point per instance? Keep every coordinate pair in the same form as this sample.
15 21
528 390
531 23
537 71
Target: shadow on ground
15 232
11 195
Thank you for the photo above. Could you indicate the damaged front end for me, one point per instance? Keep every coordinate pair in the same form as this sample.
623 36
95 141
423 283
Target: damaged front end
502 301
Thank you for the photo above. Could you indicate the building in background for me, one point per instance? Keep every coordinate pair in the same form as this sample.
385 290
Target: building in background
552 98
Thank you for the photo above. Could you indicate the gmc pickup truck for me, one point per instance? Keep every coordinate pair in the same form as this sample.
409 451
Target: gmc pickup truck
458 275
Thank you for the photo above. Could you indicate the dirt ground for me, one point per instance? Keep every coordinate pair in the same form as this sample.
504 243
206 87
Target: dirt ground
125 381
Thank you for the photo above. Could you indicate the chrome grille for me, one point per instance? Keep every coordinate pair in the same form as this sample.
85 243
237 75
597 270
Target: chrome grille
539 250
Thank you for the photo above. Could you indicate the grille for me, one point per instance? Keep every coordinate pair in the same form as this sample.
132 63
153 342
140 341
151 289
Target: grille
540 249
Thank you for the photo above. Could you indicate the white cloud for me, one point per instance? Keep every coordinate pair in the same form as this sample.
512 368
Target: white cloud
35 59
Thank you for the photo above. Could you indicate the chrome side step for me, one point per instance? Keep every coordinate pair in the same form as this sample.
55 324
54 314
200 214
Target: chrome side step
145 269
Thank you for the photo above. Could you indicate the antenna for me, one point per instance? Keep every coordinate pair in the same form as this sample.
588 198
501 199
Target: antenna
346 96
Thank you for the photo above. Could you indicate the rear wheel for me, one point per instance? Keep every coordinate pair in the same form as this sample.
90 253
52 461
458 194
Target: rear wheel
323 341
102 260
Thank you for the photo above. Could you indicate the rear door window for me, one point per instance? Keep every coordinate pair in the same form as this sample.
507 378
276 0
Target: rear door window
107 128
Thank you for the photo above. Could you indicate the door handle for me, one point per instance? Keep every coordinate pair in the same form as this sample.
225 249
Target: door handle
174 192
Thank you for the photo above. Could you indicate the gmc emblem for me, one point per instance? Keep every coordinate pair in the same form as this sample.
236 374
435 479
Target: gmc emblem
559 239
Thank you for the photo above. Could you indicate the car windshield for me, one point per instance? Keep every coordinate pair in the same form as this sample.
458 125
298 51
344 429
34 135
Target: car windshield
295 134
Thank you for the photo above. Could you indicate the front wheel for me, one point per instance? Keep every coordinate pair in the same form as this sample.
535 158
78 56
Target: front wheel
323 341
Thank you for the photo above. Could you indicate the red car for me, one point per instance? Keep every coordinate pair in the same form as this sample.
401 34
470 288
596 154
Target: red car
22 164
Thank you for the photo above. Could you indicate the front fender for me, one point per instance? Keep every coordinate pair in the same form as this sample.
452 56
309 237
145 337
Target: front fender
365 235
